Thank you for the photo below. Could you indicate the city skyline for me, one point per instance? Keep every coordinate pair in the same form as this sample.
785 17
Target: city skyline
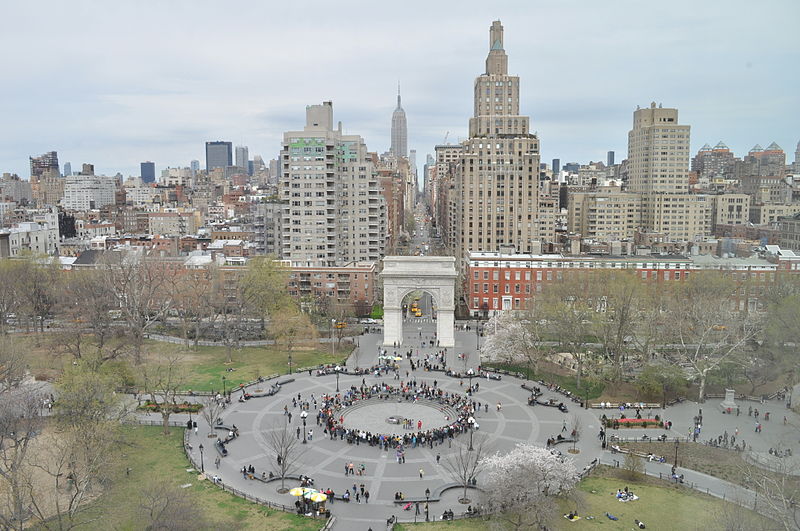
160 85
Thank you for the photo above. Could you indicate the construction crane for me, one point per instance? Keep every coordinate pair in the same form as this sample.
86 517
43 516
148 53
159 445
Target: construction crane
447 134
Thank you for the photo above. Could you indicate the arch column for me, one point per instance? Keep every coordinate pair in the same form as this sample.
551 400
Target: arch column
404 274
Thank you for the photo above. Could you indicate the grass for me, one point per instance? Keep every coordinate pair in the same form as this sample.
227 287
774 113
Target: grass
594 387
661 506
205 366
154 458
717 462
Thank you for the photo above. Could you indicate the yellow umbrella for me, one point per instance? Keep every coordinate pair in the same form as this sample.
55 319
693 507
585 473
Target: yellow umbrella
397 358
301 491
317 497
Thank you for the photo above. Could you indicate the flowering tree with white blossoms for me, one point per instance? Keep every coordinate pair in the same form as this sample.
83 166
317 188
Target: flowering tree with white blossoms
522 486
513 338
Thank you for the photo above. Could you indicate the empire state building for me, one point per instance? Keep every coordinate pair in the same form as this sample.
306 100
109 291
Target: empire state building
399 130
497 191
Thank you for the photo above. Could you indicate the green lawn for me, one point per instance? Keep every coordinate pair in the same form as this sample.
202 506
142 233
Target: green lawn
207 365
154 458
661 506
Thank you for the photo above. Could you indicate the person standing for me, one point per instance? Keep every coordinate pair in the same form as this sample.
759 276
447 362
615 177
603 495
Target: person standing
421 473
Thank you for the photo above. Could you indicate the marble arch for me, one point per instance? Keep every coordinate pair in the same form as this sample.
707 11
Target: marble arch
404 274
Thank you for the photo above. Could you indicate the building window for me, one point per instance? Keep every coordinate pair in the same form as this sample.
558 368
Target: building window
486 288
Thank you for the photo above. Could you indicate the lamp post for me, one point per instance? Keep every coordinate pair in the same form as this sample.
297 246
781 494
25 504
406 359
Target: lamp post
303 416
202 464
427 498
471 423
677 443
470 373
223 386
337 377
333 345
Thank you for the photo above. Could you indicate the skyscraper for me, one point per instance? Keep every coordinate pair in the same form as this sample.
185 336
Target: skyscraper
399 130
658 151
797 159
333 210
556 166
219 155
497 178
242 156
44 164
194 166
610 158
658 168
148 171
67 169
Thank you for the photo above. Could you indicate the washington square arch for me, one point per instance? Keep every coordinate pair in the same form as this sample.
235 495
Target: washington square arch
402 275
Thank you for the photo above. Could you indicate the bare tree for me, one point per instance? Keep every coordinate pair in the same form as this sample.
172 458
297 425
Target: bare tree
522 485
139 285
88 303
575 434
464 466
709 330
20 423
571 308
191 294
168 508
10 292
38 285
778 490
291 326
287 451
620 292
212 411
12 364
76 462
164 380
633 465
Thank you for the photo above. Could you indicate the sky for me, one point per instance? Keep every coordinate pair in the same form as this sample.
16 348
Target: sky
117 83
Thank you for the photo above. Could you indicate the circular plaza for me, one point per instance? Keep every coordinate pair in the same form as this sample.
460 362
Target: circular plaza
428 414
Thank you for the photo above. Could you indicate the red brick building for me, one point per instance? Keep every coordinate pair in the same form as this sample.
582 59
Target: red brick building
494 282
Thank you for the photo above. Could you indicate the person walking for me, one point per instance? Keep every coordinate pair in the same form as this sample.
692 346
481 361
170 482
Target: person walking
421 473
216 462
564 426
366 496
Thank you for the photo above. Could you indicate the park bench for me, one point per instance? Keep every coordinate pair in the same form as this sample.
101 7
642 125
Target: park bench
221 450
436 494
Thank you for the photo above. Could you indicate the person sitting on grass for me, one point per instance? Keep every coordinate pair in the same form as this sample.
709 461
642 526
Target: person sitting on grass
639 524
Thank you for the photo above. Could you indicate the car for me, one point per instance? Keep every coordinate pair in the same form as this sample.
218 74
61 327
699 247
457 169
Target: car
368 321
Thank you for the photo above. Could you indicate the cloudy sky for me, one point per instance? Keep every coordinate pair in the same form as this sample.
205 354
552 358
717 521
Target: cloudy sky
118 82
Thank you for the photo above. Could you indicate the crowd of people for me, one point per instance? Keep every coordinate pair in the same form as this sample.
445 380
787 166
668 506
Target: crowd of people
330 409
